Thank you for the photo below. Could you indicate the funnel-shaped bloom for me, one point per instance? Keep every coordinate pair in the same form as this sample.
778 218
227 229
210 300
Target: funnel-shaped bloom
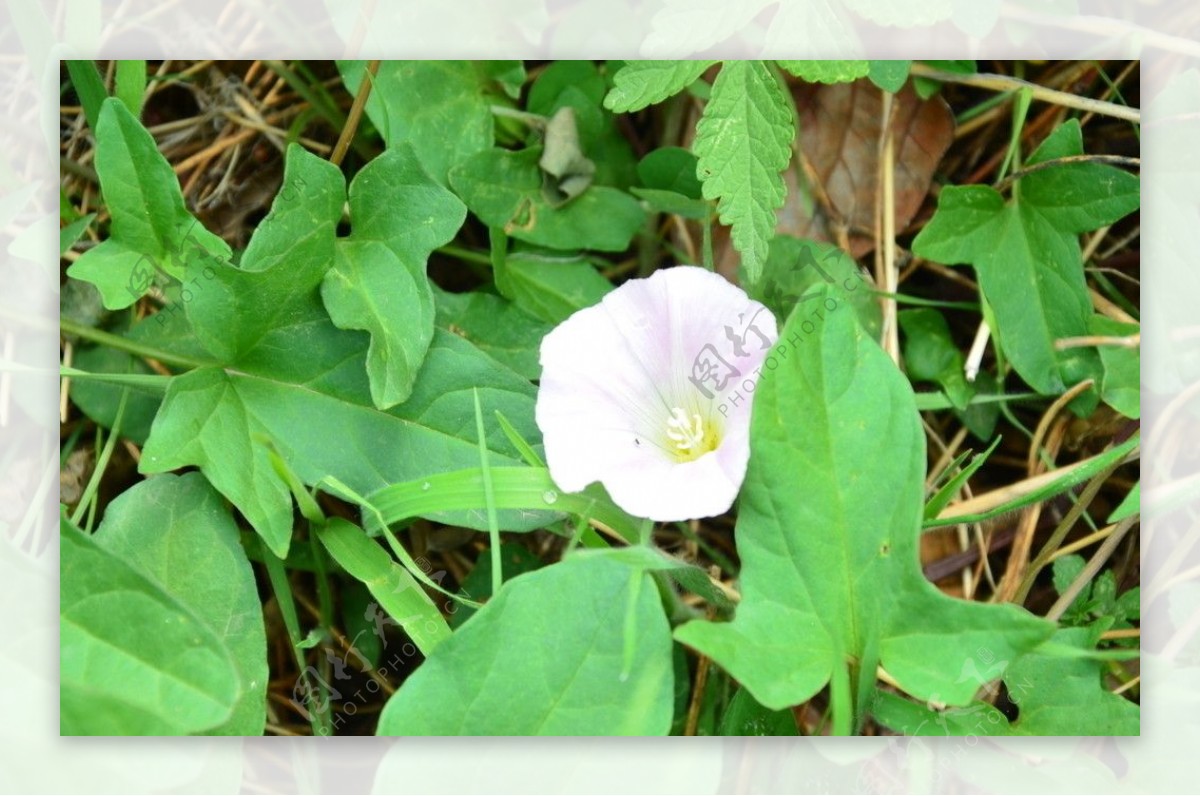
649 392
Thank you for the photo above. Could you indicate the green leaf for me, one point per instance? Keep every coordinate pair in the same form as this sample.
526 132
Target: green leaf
1130 505
114 677
827 532
580 86
550 288
908 718
1121 382
608 671
504 189
889 75
670 168
178 532
441 108
1027 254
129 84
641 83
151 231
827 71
743 142
496 326
744 716
794 265
515 559
69 235
396 590
1065 695
99 401
378 282
370 288
89 87
669 174
278 362
930 354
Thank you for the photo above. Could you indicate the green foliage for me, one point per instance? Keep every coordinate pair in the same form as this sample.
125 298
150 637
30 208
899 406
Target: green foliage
1120 381
608 671
1026 252
497 327
641 83
827 71
745 716
166 557
504 189
378 282
827 534
1054 693
325 357
441 108
743 142
1098 602
152 235
930 354
550 288
397 591
795 265
293 364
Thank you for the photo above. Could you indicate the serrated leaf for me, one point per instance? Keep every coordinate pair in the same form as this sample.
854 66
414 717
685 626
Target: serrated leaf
608 671
827 71
641 83
743 142
151 232
441 108
178 532
827 533
504 189
1027 254
114 677
889 75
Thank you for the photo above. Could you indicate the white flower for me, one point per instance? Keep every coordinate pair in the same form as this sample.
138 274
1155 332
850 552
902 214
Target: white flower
649 392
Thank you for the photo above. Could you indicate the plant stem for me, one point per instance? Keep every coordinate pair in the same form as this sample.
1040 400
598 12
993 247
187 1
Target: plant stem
127 345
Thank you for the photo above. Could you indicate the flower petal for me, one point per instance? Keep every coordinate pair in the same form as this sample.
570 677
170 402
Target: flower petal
683 340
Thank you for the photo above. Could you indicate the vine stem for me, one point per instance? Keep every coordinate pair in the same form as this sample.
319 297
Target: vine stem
127 345
356 111
1005 83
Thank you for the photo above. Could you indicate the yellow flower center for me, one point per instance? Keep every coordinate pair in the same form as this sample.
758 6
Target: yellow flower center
689 436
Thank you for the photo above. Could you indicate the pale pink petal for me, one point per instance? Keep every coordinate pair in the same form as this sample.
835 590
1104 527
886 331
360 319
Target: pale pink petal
613 374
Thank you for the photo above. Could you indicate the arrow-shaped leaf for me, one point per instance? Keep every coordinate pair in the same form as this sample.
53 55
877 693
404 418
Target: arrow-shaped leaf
827 532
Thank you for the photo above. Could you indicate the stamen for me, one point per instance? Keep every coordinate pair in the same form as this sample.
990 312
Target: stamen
685 433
